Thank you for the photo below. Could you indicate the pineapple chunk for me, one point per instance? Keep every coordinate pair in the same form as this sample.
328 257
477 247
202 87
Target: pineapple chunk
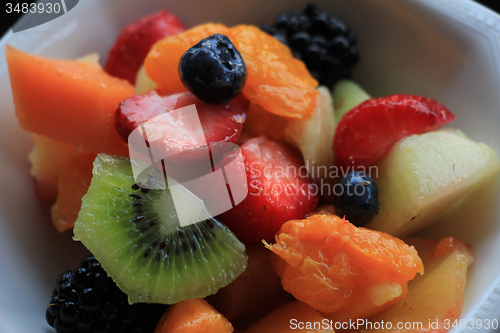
435 299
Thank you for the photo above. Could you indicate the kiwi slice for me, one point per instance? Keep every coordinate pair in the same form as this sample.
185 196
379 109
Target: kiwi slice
346 95
136 236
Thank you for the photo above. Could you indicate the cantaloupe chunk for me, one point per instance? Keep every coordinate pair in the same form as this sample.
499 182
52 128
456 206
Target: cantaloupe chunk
193 316
69 101
73 183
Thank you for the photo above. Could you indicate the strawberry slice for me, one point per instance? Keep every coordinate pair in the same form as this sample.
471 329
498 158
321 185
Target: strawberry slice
135 41
366 133
279 190
219 123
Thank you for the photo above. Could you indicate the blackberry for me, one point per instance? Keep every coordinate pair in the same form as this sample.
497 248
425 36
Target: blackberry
86 300
213 70
357 198
322 41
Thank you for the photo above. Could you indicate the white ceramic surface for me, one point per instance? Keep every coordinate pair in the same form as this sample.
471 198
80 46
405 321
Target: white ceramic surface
444 49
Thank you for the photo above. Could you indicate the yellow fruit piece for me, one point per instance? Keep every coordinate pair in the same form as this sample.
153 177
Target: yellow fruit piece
143 83
47 157
434 299
91 59
314 137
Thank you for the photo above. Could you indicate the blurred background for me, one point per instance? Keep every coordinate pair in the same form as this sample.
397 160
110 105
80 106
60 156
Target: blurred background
4 21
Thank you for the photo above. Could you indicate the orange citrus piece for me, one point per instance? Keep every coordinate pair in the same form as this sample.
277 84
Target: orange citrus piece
278 82
162 62
327 262
193 316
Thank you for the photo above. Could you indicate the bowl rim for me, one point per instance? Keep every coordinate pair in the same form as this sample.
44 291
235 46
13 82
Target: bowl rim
468 11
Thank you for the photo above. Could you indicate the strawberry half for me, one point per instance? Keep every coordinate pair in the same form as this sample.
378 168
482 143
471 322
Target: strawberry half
219 122
279 190
365 134
135 41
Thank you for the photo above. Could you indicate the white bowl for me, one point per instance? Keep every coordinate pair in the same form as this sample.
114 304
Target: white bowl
444 49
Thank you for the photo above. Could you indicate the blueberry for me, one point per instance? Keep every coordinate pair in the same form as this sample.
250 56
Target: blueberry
357 198
213 70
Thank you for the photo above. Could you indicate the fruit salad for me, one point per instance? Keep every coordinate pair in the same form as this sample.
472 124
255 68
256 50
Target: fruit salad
235 179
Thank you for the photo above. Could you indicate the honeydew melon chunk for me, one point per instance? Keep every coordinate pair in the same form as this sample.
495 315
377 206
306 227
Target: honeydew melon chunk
314 135
424 175
143 83
346 95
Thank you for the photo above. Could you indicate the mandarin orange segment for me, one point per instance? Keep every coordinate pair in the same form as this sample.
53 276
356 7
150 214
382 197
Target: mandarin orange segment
193 316
323 259
162 62
277 81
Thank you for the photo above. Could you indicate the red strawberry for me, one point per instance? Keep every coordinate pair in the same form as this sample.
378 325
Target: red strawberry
278 191
366 133
220 123
135 41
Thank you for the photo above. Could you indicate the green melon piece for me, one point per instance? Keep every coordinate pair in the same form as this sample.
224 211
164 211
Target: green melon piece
346 95
424 175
